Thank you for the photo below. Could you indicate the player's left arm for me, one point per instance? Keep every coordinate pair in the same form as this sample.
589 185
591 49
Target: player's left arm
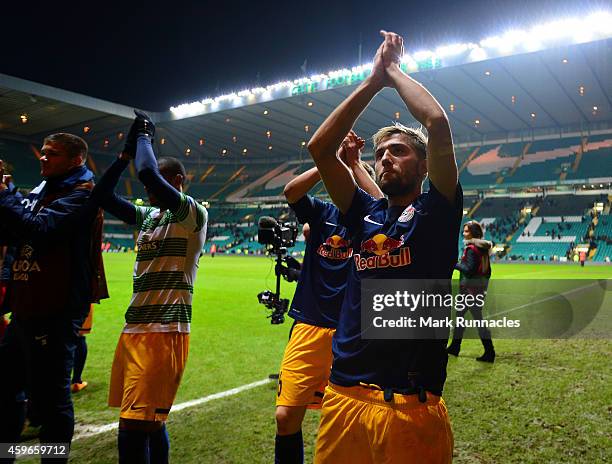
148 174
189 213
441 163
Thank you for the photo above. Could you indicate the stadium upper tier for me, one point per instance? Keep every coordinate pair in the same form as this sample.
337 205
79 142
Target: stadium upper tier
573 160
511 91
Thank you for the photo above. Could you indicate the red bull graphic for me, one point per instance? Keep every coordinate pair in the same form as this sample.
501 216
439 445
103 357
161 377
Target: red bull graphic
381 246
336 247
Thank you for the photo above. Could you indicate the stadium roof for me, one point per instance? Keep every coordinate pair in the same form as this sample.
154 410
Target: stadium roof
562 89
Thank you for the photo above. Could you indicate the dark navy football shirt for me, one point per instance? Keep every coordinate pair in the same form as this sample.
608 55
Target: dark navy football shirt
418 241
320 289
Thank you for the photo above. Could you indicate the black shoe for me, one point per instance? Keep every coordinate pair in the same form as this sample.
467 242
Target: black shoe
488 356
454 348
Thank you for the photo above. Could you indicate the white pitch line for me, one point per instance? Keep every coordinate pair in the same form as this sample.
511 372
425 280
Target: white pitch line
568 292
87 431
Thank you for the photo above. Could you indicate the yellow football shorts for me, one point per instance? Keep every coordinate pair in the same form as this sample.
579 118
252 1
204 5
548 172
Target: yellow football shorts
359 427
146 374
305 367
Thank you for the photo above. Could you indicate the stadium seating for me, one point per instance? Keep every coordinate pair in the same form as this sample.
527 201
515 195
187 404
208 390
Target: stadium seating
594 164
554 225
21 161
603 238
500 207
565 205
529 251
240 192
604 250
118 234
513 149
484 169
491 165
577 229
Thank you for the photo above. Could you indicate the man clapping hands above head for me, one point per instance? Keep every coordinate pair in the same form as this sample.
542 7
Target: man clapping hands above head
383 402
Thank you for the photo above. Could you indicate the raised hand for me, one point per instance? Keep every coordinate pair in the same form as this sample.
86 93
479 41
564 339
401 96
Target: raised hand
341 153
378 75
393 49
350 149
142 125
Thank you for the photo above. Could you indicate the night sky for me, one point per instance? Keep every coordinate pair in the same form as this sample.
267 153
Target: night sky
154 55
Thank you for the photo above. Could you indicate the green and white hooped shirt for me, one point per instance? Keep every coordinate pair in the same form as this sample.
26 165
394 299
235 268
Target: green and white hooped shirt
169 247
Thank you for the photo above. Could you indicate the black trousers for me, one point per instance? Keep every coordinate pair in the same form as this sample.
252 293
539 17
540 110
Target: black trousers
476 311
37 361
483 332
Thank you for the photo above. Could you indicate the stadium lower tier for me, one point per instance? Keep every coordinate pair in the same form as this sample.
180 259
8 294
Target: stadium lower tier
538 251
514 225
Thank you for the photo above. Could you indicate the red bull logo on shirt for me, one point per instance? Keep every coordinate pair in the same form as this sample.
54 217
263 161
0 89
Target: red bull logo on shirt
381 246
335 247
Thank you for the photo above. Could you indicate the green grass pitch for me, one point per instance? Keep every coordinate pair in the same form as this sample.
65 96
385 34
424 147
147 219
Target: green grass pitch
542 400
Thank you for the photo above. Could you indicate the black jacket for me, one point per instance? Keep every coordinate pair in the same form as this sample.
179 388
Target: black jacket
475 266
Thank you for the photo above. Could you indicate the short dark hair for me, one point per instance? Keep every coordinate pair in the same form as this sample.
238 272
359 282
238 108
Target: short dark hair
73 144
172 166
475 229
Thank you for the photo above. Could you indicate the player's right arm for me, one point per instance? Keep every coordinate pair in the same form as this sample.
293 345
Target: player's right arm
52 222
301 185
324 143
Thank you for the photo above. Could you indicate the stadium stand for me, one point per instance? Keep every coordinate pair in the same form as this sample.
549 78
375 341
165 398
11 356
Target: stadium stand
238 193
559 205
595 163
602 236
543 228
545 160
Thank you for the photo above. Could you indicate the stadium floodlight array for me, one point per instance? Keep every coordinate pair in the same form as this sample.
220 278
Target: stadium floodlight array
595 26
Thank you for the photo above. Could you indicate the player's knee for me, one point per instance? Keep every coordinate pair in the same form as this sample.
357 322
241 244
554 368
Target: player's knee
140 425
288 420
